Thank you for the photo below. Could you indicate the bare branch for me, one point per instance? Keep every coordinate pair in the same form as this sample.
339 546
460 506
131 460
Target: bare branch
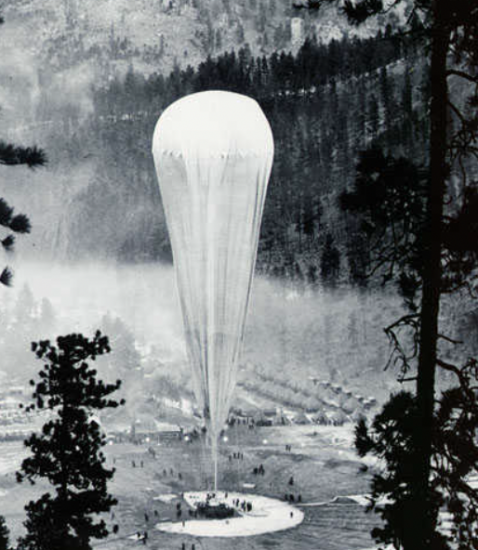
457 112
462 74
448 339
409 379
449 367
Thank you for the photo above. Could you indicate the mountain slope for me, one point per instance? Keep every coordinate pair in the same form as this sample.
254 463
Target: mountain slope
109 35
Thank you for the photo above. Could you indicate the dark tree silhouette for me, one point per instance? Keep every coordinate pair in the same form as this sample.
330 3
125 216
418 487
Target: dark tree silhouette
13 155
450 33
68 451
388 198
392 438
4 535
329 262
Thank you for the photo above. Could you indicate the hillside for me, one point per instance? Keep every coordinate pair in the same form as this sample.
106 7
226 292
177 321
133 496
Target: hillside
100 165
55 51
107 35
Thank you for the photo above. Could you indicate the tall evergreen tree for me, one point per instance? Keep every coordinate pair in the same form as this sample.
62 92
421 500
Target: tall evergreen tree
68 451
446 29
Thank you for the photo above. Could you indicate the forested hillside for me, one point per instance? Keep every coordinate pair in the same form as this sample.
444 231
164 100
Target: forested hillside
97 39
324 104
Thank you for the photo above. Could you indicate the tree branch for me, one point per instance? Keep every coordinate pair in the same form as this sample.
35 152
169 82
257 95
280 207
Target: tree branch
462 74
448 339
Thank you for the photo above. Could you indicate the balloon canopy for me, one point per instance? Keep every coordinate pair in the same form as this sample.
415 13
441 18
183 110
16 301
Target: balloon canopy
213 154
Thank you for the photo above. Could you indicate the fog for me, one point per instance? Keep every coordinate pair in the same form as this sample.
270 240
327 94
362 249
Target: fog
144 297
294 330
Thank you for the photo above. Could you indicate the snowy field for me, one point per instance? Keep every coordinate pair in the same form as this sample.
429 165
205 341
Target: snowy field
11 456
267 515
325 471
323 465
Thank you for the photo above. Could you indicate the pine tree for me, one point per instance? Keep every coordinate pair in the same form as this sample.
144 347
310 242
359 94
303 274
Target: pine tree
12 155
4 535
67 453
449 32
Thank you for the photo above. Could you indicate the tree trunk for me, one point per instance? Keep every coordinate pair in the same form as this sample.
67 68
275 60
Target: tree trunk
422 520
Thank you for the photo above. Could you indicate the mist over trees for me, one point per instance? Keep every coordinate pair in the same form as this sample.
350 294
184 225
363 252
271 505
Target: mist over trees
15 155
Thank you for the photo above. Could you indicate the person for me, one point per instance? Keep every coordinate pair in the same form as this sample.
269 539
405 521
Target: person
145 537
292 514
133 463
183 546
115 529
146 517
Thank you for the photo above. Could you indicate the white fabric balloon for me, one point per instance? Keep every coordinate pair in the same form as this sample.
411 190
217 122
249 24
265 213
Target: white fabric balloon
213 154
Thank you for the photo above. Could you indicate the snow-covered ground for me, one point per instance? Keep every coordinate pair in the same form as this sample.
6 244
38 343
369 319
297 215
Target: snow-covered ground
166 498
267 515
11 456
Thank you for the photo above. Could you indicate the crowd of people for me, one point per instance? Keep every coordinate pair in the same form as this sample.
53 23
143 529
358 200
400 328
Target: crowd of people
236 456
240 506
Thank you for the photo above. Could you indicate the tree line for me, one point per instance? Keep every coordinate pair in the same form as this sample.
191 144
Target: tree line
324 104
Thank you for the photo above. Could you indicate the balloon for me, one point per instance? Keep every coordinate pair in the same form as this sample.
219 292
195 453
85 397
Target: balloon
213 154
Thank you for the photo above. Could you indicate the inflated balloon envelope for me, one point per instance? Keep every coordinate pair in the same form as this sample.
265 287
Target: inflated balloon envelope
213 154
